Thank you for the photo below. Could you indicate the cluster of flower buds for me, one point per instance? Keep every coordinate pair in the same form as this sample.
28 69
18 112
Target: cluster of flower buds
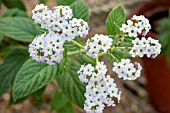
101 90
149 46
137 25
97 44
47 48
127 70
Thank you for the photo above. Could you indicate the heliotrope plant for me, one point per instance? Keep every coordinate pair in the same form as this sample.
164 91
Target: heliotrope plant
101 89
59 56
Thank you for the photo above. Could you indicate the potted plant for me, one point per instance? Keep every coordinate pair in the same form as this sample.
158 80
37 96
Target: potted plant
157 70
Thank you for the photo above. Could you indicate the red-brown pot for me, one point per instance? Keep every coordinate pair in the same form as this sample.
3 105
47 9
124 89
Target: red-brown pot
156 70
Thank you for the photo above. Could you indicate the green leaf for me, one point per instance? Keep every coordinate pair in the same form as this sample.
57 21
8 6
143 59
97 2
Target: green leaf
37 97
14 12
43 1
61 104
80 10
12 102
70 46
12 63
117 54
69 82
31 77
18 28
83 58
14 3
65 2
115 20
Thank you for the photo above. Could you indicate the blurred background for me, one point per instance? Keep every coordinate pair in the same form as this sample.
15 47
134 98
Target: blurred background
148 94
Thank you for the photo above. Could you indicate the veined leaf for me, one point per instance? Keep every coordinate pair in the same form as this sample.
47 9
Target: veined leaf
117 54
14 4
31 77
12 63
18 28
70 46
83 58
80 10
115 20
61 104
14 12
69 82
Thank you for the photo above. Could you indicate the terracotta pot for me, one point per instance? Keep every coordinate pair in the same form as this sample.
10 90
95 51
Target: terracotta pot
157 70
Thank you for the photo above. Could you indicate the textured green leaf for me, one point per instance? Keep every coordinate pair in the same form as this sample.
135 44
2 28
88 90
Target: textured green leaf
31 77
14 12
115 20
65 2
69 82
83 58
70 46
61 104
12 63
117 54
80 10
43 1
14 4
18 28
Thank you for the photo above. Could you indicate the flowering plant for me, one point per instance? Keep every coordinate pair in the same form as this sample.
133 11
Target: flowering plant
59 56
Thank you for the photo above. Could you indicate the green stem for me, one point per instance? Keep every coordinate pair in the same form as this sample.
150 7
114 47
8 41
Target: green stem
124 47
97 60
117 44
75 52
101 54
77 44
113 56
111 36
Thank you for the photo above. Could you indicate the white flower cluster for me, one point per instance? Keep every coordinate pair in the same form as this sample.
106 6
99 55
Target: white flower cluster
96 44
60 20
137 25
47 48
127 70
149 46
101 89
